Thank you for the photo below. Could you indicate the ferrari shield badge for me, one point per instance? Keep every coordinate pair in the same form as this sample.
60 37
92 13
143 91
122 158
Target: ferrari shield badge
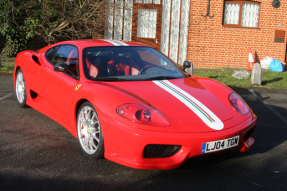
78 86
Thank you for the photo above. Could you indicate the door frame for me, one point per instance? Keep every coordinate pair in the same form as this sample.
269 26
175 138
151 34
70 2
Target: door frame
148 41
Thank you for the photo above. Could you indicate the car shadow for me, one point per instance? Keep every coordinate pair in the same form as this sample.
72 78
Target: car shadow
213 77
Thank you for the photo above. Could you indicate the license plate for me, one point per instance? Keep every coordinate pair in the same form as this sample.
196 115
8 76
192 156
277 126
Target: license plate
219 145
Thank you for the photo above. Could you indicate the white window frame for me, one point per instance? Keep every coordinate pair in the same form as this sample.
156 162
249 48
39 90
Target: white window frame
240 14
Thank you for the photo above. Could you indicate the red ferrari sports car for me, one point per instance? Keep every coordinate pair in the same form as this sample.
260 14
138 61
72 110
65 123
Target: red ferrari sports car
129 103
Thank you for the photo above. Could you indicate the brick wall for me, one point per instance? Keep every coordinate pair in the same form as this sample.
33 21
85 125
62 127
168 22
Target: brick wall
212 45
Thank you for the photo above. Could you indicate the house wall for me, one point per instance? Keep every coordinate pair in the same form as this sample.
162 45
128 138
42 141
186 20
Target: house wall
211 45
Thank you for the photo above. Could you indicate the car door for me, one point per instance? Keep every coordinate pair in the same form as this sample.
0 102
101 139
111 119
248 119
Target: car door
56 88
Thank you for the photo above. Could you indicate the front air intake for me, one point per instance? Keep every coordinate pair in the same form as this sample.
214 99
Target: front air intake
160 151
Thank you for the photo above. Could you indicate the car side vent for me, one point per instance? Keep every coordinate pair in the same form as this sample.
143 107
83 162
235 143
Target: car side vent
33 94
35 58
160 151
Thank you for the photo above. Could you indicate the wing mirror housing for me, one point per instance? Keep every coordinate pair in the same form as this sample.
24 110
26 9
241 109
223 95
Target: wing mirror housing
186 64
61 67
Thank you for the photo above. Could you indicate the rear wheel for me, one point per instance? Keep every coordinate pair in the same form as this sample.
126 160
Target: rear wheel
21 92
89 131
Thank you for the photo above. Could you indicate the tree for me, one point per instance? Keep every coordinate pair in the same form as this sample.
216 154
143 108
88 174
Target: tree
51 20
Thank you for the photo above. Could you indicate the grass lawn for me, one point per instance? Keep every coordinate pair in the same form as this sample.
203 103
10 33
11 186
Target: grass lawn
7 67
271 80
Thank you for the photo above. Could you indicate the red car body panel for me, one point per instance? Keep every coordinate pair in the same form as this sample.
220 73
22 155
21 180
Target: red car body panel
125 140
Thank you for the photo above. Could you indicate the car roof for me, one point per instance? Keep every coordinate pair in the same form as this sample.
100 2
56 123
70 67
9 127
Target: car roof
84 43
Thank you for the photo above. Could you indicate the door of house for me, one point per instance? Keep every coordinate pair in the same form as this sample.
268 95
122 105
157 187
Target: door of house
146 23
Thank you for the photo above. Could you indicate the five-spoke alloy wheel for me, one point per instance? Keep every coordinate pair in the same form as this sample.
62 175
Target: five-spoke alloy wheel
21 92
89 131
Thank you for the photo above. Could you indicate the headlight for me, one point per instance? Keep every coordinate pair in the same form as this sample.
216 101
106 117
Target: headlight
238 104
141 114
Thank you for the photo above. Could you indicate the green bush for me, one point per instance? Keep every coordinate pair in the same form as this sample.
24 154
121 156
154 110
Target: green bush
51 20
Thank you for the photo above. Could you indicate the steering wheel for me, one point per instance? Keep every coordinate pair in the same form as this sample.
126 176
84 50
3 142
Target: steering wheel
109 68
143 70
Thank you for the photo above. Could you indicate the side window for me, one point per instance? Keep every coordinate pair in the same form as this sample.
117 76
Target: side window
51 52
67 54
64 53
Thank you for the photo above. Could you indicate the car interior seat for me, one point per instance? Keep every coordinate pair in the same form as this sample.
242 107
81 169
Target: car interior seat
93 70
73 56
121 66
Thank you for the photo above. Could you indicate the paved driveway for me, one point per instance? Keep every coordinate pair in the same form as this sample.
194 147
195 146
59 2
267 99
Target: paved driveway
36 153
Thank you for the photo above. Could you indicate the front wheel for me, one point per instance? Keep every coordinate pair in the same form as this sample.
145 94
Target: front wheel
21 92
89 131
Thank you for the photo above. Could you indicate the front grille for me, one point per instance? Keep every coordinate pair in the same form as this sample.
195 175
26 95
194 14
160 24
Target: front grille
248 134
160 151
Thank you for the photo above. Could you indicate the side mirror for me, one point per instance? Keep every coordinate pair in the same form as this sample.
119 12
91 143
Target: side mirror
186 64
61 67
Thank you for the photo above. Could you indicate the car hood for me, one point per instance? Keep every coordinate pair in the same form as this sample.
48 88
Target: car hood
184 100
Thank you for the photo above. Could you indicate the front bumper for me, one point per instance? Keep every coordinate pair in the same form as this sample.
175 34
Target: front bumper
125 145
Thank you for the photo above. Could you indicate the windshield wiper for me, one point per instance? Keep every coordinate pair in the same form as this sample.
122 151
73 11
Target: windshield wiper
108 79
161 78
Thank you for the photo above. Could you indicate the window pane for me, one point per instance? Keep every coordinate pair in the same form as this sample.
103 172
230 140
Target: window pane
147 23
128 20
126 62
165 26
231 14
250 14
51 52
139 1
118 25
147 1
63 54
109 19
174 30
156 1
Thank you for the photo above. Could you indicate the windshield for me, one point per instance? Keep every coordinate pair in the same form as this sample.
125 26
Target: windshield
128 64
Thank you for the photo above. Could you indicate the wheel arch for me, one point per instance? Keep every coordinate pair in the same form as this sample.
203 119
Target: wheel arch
100 148
78 105
15 73
17 68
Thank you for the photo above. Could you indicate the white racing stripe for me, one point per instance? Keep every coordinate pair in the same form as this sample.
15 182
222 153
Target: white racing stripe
121 42
112 42
207 116
116 42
